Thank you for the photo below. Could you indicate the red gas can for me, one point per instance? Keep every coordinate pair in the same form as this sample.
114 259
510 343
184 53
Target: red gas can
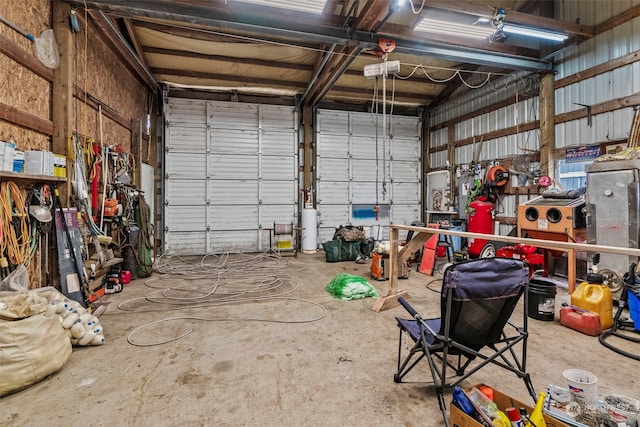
125 276
480 221
578 319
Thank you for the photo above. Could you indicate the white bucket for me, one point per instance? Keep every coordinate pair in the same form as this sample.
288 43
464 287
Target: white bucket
622 409
582 385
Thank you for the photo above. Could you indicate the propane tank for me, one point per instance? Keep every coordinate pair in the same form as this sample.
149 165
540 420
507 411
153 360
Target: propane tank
480 220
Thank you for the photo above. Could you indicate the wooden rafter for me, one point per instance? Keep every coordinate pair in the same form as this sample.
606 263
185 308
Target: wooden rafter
227 77
230 59
134 40
373 12
115 43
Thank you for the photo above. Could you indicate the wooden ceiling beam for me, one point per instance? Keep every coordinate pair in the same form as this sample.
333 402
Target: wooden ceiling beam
414 78
228 78
231 59
138 68
368 94
131 32
210 35
373 12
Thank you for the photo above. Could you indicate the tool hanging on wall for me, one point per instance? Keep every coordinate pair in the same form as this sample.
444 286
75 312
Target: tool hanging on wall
45 46
40 204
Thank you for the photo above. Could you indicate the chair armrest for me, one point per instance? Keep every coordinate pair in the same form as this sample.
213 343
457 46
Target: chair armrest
408 307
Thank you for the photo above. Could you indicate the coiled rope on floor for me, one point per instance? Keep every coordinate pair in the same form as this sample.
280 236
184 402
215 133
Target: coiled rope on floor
220 280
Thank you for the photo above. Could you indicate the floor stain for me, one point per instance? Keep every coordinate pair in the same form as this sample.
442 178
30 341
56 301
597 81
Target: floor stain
222 366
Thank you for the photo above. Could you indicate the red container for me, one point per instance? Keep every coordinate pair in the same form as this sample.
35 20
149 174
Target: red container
125 276
110 207
480 221
587 322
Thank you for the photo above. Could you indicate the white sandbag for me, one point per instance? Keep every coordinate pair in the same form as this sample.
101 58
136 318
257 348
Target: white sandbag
31 349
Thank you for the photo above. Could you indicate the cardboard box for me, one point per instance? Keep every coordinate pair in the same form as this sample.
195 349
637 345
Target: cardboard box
460 419
34 162
60 166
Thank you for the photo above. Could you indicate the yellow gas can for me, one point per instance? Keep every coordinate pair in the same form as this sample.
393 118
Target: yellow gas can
597 298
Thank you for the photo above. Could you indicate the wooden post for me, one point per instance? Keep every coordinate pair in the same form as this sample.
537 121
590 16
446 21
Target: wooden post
307 122
547 125
62 100
451 157
396 258
426 161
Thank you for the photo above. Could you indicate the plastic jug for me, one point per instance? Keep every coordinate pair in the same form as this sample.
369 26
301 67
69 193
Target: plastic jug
536 416
595 297
461 401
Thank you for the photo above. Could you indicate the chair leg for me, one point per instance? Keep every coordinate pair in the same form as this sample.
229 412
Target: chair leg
443 407
527 382
403 366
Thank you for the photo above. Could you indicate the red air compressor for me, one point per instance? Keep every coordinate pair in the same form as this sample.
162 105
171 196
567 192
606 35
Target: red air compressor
482 210
480 220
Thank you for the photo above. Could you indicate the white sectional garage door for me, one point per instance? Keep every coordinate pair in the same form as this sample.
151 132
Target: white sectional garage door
346 171
230 173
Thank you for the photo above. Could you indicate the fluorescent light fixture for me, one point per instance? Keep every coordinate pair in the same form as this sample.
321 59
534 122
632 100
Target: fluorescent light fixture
400 2
310 6
451 28
534 32
481 29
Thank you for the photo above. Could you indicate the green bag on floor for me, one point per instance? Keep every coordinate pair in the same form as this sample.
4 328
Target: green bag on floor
347 286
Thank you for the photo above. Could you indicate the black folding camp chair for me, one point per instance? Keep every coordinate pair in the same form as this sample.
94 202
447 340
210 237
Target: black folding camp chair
474 330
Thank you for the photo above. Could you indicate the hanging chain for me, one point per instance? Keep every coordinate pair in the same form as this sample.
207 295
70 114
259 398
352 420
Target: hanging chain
384 127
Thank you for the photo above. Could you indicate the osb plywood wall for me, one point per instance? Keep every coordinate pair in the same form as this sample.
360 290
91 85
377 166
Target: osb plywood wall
97 70
115 88
19 86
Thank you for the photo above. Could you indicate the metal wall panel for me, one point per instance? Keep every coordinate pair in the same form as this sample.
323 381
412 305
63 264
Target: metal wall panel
219 193
347 167
333 193
233 167
607 46
186 112
187 139
236 141
186 165
333 169
186 218
194 242
406 149
231 173
618 83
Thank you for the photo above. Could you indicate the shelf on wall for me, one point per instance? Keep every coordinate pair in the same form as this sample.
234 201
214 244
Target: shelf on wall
15 176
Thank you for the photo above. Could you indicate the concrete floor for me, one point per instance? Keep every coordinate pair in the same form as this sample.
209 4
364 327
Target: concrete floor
332 372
